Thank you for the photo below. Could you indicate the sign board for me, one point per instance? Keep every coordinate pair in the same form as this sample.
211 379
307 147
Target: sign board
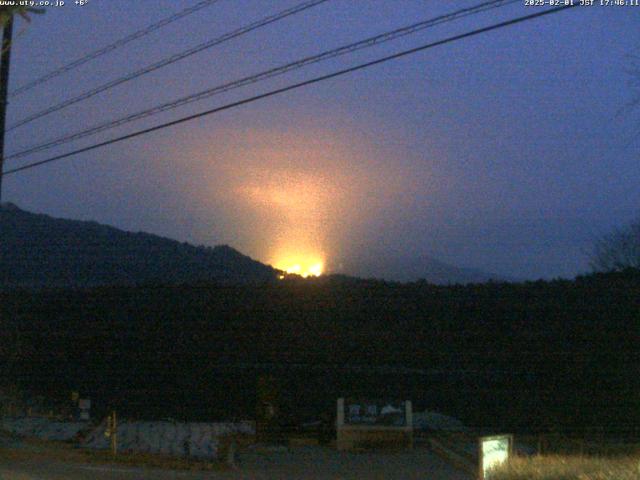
377 412
84 405
368 424
493 451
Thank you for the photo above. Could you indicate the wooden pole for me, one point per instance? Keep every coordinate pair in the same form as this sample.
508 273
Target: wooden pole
114 434
5 58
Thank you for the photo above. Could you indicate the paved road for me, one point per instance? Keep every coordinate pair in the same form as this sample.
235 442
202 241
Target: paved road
311 463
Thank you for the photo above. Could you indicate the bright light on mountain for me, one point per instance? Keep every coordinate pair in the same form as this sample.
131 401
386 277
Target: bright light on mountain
303 267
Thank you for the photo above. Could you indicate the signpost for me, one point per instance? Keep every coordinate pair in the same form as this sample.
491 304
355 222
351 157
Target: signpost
492 452
112 432
374 423
84 404
267 415
375 413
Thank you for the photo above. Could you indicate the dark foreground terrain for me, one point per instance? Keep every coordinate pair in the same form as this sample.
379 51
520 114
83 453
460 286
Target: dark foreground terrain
313 463
523 357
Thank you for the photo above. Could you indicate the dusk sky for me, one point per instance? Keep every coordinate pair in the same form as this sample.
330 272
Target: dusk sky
508 152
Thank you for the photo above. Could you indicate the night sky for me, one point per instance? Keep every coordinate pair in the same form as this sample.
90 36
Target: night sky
508 152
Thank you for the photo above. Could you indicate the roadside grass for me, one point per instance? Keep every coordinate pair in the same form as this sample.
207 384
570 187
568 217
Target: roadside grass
569 467
555 444
64 452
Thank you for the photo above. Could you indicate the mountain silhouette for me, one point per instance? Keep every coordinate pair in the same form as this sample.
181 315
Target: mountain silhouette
400 268
41 251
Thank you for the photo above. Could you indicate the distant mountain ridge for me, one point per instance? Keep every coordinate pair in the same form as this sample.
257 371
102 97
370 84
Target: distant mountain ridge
441 273
410 269
40 251
37 250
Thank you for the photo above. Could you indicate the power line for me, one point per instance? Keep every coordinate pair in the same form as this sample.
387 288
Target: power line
362 44
369 42
295 86
117 44
169 60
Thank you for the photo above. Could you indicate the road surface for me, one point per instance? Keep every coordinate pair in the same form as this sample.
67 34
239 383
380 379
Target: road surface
313 463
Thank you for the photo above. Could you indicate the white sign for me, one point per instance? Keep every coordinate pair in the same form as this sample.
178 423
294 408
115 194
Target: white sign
494 451
376 412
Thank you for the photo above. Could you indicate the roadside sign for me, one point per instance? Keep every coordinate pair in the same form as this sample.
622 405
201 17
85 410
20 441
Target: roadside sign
375 412
84 406
492 452
373 423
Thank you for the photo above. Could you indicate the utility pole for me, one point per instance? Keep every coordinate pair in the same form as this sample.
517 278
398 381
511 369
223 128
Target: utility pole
5 58
112 432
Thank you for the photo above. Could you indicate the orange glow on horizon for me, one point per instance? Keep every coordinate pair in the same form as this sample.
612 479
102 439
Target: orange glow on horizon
300 205
294 198
303 266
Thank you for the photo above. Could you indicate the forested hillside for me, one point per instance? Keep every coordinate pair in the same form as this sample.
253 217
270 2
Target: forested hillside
525 355
41 251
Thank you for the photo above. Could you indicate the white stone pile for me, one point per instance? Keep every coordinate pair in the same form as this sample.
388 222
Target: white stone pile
166 437
192 439
42 428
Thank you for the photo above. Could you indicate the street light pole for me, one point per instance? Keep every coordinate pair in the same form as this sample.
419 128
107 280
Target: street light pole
5 58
